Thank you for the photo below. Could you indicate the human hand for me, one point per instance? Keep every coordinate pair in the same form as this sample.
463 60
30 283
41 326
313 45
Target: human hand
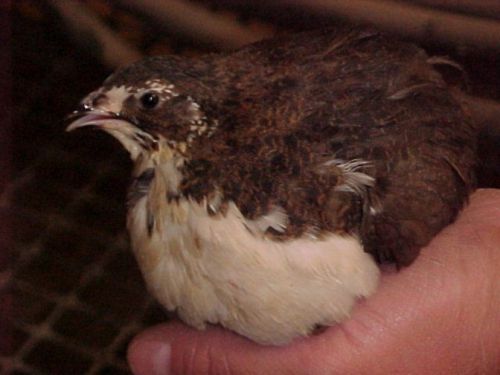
441 315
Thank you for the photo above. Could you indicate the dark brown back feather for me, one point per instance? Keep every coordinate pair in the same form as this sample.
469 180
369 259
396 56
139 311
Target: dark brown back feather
287 105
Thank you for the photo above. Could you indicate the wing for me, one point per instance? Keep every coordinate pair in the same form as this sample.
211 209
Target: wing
289 107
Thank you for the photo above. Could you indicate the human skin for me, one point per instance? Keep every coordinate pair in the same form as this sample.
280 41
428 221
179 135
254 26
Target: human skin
441 315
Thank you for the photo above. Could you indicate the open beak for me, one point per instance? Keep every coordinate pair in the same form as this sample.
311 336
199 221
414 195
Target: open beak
125 131
95 117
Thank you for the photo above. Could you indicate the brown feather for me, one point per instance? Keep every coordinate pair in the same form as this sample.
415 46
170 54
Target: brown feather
281 108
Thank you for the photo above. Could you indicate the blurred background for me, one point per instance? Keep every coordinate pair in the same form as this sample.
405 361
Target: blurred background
71 295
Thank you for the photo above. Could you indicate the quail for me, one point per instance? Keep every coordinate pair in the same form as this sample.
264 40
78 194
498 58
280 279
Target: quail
270 182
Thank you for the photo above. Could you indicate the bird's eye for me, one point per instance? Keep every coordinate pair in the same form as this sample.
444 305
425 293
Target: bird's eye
149 100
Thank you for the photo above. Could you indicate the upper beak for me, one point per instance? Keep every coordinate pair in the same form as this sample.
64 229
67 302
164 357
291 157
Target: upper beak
92 117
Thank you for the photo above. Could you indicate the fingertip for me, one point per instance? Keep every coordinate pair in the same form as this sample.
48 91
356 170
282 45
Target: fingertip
150 353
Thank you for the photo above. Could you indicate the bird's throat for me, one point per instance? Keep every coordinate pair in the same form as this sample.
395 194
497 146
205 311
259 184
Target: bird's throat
158 174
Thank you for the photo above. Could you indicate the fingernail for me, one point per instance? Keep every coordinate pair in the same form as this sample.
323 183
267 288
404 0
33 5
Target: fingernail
150 357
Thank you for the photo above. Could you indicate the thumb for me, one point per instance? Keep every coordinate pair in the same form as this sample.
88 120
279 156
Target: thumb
177 349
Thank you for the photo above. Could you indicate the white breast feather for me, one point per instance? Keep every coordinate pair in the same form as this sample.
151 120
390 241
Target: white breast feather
213 269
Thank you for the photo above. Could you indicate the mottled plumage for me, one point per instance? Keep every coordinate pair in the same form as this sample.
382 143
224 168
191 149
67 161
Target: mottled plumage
273 167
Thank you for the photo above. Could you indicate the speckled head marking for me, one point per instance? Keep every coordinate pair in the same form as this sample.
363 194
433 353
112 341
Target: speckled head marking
139 105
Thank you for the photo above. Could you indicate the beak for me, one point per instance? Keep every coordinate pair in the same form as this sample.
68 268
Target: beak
125 131
88 116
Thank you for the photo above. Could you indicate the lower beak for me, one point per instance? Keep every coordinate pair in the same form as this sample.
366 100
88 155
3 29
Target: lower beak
126 132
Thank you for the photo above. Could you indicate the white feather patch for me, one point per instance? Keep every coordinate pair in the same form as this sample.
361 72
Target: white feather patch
116 98
276 219
212 269
354 180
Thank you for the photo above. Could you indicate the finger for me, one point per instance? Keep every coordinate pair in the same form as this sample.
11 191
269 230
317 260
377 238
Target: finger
218 351
416 323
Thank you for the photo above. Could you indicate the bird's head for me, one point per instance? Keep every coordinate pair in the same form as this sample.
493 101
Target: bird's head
146 106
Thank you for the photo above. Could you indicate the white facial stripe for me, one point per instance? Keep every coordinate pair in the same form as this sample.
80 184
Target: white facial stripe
124 137
116 98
